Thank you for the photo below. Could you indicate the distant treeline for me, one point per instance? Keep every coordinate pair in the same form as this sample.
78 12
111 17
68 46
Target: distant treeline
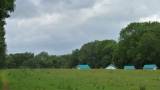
139 44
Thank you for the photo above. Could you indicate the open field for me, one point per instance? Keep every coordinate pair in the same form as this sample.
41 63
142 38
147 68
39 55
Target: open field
51 79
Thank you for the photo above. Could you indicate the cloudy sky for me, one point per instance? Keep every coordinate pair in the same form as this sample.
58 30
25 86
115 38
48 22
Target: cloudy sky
60 26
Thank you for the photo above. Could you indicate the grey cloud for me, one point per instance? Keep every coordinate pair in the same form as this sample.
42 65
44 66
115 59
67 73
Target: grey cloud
68 4
25 9
59 26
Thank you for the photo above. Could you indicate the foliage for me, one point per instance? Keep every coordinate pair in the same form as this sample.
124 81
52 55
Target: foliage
139 44
98 54
6 6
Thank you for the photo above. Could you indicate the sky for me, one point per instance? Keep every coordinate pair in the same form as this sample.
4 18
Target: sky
61 26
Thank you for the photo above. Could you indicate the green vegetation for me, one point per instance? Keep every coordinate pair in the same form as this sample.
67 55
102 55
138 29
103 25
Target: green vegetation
97 54
6 6
52 79
139 44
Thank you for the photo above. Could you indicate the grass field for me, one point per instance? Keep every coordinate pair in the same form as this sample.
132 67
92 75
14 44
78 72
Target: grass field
50 79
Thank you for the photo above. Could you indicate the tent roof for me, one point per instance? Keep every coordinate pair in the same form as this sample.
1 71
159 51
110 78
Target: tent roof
150 66
111 65
83 66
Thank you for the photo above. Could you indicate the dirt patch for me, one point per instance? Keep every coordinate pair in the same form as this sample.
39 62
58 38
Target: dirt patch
5 85
4 82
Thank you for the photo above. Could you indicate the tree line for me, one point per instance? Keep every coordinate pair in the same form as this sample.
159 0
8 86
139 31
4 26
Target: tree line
138 44
97 54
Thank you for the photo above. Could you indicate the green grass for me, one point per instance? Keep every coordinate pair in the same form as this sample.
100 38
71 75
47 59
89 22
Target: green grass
51 79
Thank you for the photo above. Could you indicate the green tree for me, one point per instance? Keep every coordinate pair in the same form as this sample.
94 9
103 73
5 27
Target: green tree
6 6
97 54
17 60
139 44
74 59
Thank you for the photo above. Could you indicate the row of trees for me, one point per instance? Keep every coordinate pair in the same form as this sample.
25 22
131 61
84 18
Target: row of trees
97 54
139 44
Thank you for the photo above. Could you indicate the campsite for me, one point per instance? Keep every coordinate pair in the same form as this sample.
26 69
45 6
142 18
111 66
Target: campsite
82 77
79 45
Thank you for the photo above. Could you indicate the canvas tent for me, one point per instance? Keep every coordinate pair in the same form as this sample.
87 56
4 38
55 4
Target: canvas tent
129 67
150 67
83 67
111 67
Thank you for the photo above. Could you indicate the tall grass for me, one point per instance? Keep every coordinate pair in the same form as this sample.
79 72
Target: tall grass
59 79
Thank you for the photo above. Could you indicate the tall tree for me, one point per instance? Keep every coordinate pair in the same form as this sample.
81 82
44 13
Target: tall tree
6 6
139 44
97 54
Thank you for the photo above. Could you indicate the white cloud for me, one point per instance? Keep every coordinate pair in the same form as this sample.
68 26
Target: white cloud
98 9
151 18
36 2
41 20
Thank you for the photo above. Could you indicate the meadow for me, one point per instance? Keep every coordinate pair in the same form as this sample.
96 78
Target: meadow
70 79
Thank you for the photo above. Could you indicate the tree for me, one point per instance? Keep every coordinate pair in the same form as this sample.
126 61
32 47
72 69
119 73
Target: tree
42 60
74 59
6 6
18 60
97 54
139 44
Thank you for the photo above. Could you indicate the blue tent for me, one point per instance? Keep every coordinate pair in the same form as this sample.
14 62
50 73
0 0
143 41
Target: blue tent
150 67
129 67
83 66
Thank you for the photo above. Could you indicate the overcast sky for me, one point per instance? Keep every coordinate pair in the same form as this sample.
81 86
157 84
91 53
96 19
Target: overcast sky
60 26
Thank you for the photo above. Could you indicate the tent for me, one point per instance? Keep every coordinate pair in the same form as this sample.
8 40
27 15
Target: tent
129 67
83 66
111 67
150 67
